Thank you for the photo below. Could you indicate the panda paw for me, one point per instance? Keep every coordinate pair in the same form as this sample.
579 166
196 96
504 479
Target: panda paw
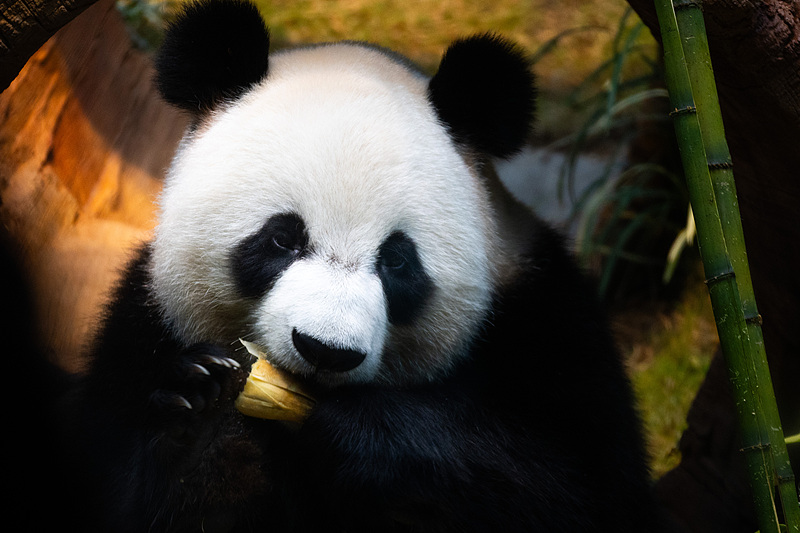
188 396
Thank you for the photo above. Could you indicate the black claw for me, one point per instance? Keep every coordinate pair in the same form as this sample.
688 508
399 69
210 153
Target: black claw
200 369
169 400
180 401
222 361
184 404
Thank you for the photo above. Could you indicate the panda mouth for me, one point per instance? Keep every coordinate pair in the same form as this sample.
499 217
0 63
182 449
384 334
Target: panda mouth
258 351
316 367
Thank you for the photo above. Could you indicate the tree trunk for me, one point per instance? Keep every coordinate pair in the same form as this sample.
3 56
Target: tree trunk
755 48
84 140
25 25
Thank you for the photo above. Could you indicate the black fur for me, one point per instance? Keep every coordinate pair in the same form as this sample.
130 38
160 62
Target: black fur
406 284
213 52
484 92
535 432
261 257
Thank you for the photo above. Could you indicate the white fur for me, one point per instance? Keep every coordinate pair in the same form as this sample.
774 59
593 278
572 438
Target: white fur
343 136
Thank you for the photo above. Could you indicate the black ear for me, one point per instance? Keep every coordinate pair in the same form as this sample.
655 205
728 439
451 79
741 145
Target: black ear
484 92
214 51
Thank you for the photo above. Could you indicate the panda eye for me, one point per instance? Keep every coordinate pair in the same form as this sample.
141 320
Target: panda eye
392 260
286 241
406 284
391 256
287 234
261 257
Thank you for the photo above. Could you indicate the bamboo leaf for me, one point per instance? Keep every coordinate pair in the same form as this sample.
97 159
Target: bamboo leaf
685 238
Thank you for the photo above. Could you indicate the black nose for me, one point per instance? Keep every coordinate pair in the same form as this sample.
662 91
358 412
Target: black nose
326 357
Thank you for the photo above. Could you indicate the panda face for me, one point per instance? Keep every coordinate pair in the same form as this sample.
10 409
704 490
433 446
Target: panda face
328 216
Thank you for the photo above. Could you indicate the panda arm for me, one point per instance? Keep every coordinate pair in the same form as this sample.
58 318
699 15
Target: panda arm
156 433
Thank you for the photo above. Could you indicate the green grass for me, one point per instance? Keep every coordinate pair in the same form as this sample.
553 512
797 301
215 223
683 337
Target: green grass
422 29
668 349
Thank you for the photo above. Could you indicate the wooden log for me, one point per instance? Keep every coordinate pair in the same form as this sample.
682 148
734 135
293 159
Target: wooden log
25 25
84 140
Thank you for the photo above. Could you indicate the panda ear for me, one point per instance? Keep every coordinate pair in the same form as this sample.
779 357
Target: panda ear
214 51
484 92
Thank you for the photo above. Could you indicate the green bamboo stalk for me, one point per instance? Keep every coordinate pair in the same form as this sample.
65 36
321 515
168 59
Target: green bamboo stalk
690 21
733 328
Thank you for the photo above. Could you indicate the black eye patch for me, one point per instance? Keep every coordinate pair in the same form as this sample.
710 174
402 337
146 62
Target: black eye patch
406 284
261 257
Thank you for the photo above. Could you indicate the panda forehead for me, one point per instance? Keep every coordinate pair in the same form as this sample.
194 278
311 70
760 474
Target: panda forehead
341 92
325 99
330 64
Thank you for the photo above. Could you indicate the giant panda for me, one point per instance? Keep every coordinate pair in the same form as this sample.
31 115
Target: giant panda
337 206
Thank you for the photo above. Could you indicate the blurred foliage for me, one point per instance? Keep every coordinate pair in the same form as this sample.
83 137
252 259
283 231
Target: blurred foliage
422 29
630 214
145 20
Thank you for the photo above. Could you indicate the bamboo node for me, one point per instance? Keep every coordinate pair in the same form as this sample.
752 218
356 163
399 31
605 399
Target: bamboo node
688 110
720 166
759 446
754 319
719 277
785 479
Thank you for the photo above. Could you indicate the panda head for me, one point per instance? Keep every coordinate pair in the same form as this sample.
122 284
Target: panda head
327 202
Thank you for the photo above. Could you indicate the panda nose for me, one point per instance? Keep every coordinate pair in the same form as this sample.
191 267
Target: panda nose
325 357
